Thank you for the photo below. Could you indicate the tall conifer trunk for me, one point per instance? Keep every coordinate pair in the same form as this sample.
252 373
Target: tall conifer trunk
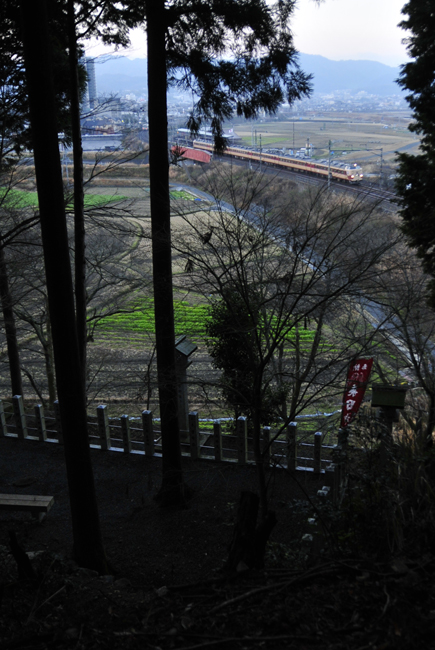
172 490
79 212
88 548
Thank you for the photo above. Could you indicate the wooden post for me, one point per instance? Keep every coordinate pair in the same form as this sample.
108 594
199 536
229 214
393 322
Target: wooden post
317 451
194 435
3 427
343 437
217 440
148 432
40 422
125 428
19 416
242 440
266 446
291 447
103 427
58 424
331 481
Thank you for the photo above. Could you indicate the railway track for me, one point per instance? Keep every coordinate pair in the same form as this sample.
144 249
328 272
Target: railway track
386 197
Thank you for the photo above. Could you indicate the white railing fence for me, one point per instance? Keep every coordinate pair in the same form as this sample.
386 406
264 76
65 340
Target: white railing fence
124 435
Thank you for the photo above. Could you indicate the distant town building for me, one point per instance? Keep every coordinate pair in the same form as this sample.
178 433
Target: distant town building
92 100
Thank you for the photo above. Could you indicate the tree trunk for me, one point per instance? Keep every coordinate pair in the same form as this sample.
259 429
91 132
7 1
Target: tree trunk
49 364
259 458
248 544
172 491
10 329
79 211
430 423
88 548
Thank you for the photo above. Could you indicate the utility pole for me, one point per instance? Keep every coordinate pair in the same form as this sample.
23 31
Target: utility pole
381 170
260 152
329 165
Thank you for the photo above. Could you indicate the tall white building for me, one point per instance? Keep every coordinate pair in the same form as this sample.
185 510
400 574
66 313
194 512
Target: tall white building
91 98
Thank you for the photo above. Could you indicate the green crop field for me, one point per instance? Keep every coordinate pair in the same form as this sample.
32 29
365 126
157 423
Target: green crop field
182 194
190 319
17 199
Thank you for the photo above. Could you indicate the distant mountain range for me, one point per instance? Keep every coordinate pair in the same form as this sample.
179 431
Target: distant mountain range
355 76
120 75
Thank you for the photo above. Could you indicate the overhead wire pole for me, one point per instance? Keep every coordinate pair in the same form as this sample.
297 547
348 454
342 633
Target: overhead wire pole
329 165
260 152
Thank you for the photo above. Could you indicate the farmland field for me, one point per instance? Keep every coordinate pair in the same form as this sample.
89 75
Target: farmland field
121 347
358 137
22 199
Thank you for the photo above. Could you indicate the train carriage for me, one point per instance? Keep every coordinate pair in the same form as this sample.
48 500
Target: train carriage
350 173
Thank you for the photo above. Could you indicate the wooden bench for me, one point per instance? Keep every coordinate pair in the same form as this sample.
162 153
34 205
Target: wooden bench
37 505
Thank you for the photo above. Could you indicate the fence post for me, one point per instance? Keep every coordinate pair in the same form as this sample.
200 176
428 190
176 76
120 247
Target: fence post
19 416
217 439
40 422
342 439
242 440
103 427
194 435
148 432
125 428
331 480
3 427
266 446
291 447
58 421
317 451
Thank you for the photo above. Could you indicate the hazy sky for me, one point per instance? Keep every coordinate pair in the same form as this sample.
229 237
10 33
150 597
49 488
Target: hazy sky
351 29
336 29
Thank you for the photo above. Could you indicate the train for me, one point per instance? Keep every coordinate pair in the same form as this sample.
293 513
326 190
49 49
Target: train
340 171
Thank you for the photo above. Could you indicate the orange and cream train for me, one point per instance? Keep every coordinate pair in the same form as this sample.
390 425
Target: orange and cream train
348 172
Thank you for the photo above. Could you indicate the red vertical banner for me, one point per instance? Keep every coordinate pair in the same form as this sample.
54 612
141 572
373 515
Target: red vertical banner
356 384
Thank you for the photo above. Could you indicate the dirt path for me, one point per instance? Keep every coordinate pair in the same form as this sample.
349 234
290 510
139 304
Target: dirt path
146 544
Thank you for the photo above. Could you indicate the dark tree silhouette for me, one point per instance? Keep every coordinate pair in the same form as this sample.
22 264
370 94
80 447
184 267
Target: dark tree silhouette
414 182
235 56
88 547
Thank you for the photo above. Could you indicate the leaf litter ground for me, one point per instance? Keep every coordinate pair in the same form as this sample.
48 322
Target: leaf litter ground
168 590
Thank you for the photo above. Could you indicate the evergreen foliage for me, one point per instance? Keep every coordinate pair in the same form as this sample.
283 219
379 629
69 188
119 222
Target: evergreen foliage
15 128
235 327
233 56
414 184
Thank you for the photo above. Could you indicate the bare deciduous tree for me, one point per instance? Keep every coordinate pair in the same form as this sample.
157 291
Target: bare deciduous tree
291 281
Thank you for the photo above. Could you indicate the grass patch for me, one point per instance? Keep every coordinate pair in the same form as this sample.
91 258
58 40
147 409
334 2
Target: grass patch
21 199
190 319
182 194
18 198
